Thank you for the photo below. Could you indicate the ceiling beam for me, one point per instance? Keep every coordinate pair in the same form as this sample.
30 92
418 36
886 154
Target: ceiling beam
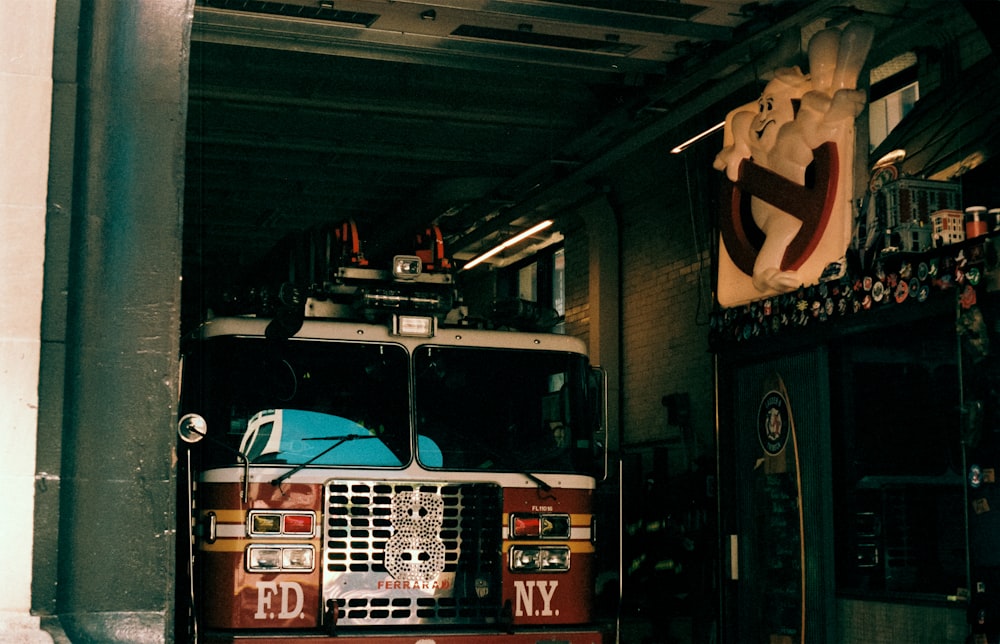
702 84
590 16
311 36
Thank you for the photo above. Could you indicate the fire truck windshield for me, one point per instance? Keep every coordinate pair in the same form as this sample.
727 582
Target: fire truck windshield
504 409
297 402
309 403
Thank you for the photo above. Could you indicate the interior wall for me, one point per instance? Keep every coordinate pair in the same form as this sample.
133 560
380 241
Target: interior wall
45 555
665 201
662 204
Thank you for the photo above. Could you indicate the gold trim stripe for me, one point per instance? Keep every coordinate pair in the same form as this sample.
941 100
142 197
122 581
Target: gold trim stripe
239 545
228 516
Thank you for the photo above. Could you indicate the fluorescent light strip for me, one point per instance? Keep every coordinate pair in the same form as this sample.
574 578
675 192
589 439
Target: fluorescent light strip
510 242
697 137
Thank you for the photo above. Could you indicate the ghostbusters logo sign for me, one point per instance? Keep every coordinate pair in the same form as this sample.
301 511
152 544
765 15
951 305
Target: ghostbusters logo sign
787 161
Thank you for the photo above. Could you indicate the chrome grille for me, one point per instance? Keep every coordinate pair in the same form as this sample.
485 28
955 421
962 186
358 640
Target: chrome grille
413 552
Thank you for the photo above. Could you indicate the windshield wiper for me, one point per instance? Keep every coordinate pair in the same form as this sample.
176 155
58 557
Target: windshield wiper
545 487
505 461
340 441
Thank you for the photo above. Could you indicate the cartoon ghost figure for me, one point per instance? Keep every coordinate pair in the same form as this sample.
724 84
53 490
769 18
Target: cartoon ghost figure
770 144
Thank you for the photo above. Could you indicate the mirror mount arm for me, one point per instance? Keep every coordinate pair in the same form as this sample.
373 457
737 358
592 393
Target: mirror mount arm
192 428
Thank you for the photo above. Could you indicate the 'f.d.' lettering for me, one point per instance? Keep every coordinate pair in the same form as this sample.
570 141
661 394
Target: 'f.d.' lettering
266 590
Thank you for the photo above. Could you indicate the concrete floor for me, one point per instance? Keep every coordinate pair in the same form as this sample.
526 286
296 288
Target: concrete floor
635 630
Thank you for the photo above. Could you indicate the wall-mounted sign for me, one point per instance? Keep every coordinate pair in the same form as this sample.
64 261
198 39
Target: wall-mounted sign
773 426
787 215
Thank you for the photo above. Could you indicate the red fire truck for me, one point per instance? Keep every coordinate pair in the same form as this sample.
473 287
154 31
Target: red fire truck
357 467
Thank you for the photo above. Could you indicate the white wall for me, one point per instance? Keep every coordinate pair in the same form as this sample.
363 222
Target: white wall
26 37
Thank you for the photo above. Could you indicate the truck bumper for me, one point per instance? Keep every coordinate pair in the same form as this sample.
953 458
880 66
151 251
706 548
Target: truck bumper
547 637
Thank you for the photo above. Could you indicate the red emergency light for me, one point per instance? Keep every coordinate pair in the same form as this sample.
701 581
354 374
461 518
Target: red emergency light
539 526
273 524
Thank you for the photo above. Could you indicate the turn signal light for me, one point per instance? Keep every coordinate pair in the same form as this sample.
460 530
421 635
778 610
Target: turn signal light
539 526
265 524
276 524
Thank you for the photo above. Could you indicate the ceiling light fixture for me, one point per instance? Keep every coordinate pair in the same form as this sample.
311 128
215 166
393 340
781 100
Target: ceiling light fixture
698 137
510 242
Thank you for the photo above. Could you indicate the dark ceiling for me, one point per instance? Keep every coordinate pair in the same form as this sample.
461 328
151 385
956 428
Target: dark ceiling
479 116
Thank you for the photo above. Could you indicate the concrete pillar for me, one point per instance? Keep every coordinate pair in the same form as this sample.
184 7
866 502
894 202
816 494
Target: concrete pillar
26 34
117 505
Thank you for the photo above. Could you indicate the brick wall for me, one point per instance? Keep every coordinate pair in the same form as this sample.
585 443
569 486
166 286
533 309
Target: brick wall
666 295
666 298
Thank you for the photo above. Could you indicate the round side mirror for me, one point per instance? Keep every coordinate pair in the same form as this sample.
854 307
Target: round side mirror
192 428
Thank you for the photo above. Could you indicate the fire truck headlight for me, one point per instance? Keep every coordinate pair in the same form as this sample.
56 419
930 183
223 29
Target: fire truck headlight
537 558
297 558
263 559
523 559
555 558
406 267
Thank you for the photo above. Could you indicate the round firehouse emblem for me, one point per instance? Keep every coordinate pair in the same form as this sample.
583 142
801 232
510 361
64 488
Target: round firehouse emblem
772 423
